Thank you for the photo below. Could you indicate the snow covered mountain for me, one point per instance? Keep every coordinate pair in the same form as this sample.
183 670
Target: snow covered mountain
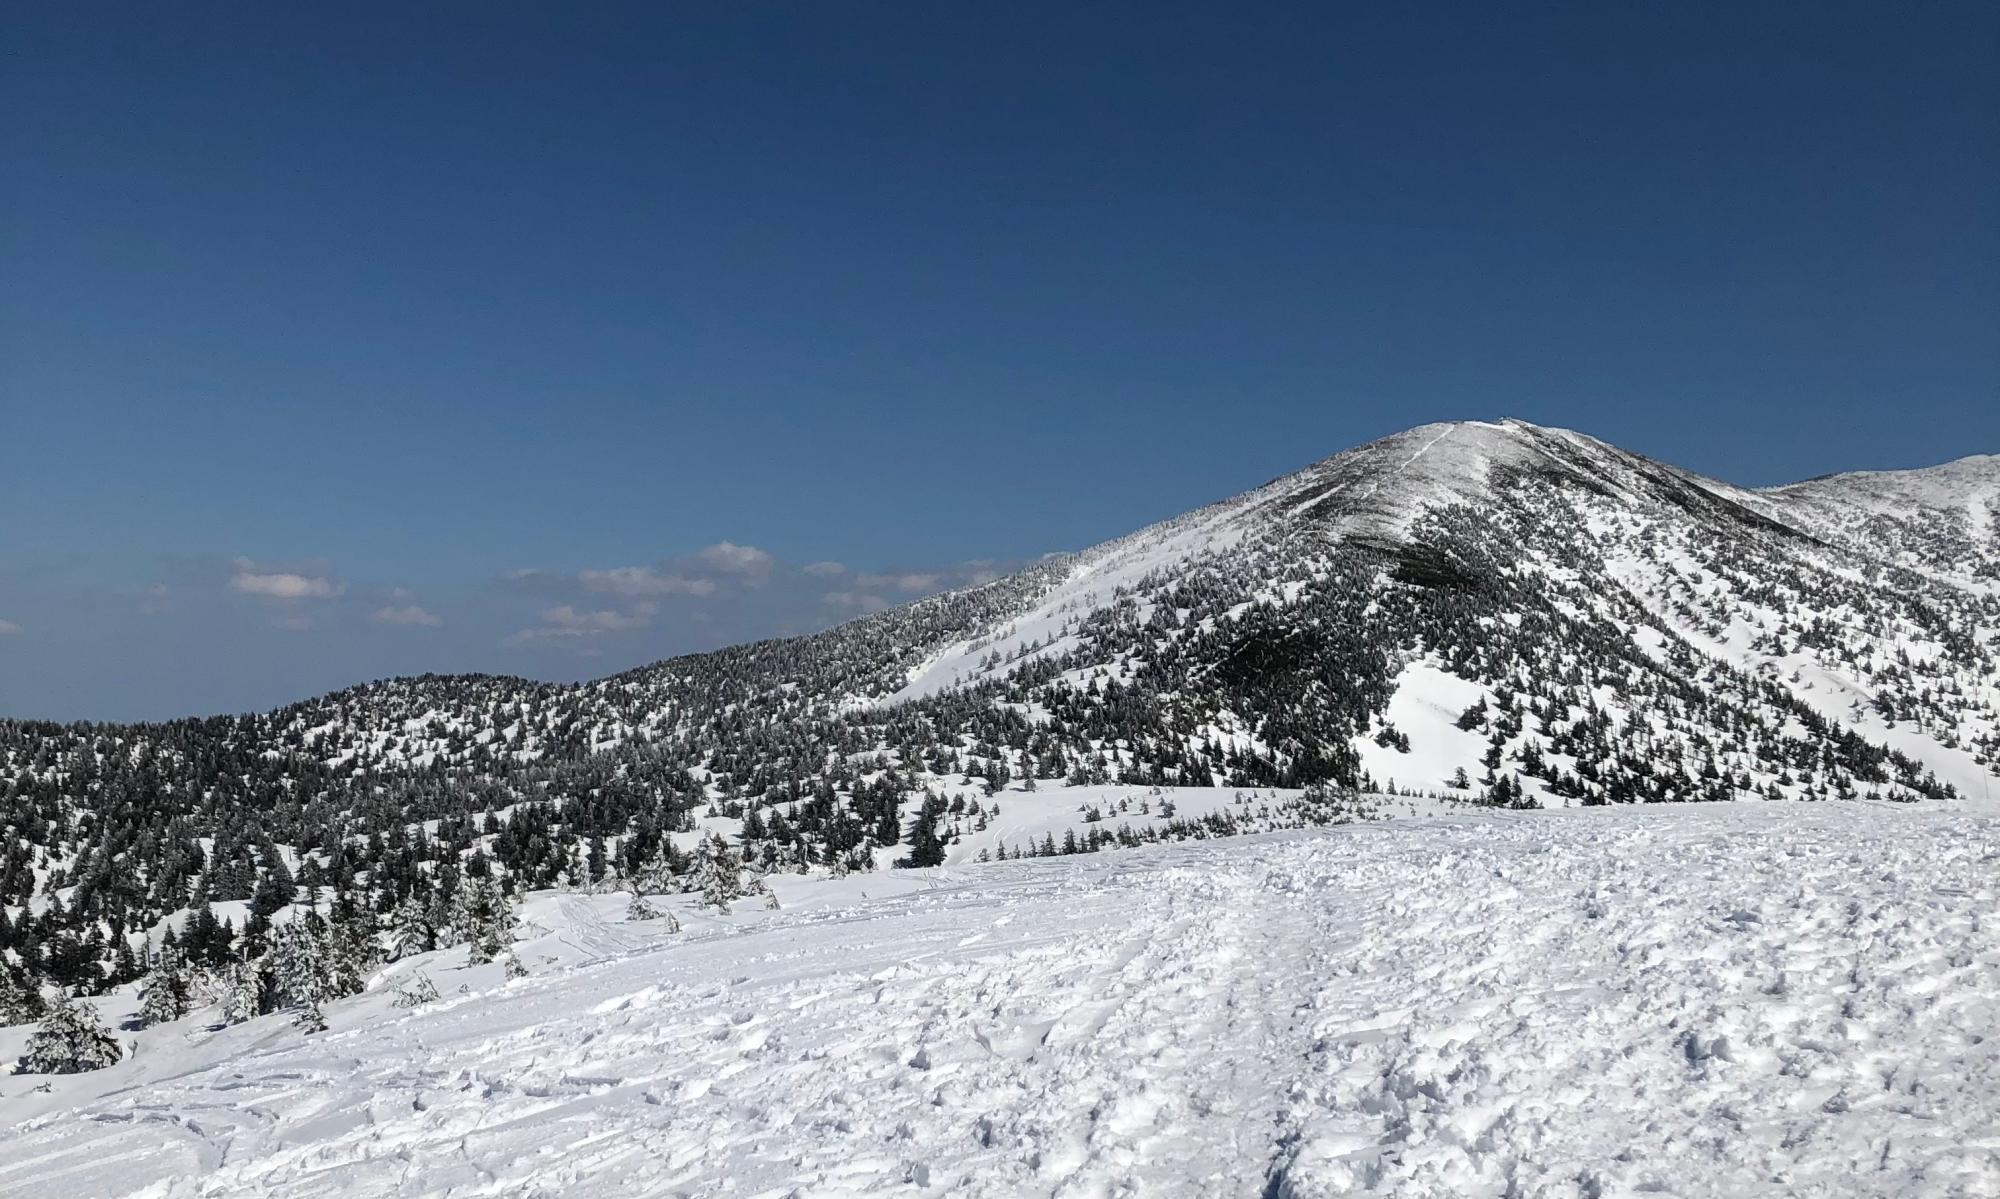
1490 612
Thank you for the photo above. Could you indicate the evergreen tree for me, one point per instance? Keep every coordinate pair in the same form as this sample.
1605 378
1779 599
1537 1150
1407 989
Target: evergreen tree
244 988
638 909
411 929
169 993
485 919
71 1039
302 960
926 847
718 873
20 996
313 962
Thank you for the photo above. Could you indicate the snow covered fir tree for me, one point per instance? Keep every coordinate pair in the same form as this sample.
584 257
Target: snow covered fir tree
1490 613
70 1039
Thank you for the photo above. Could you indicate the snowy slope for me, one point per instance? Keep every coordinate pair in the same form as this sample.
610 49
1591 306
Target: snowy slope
1723 1000
1372 491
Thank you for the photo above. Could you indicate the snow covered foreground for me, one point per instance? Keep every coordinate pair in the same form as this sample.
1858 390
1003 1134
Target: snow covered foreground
1715 1000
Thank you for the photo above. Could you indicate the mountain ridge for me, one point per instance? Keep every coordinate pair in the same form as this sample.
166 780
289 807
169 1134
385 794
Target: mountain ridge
1430 435
1485 612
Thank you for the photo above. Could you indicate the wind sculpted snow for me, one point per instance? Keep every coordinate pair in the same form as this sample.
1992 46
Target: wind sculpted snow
1724 1000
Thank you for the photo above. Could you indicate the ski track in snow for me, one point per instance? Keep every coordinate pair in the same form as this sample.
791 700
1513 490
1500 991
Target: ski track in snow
1725 1000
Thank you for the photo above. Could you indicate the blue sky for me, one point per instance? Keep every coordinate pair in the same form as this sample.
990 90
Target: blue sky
352 342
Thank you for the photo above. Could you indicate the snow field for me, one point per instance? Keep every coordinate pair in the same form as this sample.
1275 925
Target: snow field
1714 1000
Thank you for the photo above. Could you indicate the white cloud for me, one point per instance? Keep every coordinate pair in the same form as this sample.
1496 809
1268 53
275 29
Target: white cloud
405 614
747 561
281 584
824 570
563 616
566 626
643 581
9 629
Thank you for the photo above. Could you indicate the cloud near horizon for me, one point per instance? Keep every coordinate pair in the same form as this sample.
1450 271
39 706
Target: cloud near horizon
735 590
267 631
406 614
643 581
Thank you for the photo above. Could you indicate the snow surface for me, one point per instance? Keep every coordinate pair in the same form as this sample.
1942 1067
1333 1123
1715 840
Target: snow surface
1717 1000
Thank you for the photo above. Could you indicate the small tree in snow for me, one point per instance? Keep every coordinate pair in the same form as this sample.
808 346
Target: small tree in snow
638 909
242 985
926 847
71 1039
486 919
412 929
718 873
20 996
655 875
302 960
169 993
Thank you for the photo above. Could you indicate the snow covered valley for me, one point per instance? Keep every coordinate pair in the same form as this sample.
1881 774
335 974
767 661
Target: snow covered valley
1726 999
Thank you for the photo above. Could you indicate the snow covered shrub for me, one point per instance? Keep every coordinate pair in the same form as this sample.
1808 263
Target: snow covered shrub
71 1039
718 873
415 991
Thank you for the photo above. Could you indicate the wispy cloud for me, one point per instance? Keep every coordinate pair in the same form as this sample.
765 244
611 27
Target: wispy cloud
288 585
405 614
566 617
9 629
567 627
724 592
636 581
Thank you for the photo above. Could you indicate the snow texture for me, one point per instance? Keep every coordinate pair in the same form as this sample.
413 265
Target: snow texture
1717 1000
